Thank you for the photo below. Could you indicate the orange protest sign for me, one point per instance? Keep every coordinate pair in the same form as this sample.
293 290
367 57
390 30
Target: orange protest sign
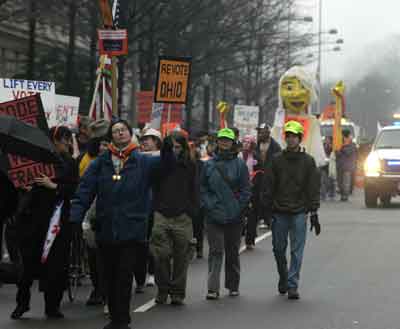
172 80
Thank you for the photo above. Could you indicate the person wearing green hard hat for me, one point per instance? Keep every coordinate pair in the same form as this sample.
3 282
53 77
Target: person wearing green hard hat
294 132
291 192
225 193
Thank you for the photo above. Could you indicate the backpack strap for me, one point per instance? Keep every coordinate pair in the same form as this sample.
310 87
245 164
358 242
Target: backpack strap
225 177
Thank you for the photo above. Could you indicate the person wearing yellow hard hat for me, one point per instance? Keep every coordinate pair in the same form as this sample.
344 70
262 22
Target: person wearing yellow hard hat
225 194
291 192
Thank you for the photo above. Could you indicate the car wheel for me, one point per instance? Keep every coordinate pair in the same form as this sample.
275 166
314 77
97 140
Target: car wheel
370 197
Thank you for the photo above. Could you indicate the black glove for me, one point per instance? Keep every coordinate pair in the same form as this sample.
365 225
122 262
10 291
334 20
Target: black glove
168 145
315 223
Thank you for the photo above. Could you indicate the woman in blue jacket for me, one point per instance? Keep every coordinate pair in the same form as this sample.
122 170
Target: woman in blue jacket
225 193
120 179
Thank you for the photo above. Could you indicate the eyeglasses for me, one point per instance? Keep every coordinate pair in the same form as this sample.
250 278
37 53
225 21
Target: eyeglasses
119 131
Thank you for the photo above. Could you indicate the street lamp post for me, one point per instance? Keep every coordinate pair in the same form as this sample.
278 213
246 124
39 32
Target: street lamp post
319 56
307 19
327 50
289 36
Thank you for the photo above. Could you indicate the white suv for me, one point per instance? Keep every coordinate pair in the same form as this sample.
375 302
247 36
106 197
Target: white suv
382 168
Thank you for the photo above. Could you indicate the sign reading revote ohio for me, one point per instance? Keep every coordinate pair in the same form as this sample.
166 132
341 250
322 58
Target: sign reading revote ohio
13 89
113 42
246 119
173 78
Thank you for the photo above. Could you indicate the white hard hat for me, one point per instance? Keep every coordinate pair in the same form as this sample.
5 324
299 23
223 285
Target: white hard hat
152 132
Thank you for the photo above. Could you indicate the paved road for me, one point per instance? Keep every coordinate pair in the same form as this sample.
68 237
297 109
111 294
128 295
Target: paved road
350 280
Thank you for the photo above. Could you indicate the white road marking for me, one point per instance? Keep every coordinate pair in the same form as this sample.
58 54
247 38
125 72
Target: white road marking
150 304
258 240
145 307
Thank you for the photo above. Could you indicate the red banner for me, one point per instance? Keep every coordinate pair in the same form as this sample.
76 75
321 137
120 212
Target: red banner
23 171
144 104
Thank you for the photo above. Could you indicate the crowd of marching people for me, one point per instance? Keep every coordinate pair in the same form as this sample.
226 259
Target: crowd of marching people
145 203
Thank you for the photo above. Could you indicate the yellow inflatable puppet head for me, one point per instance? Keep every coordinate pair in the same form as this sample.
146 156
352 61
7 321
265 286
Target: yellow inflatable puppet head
297 91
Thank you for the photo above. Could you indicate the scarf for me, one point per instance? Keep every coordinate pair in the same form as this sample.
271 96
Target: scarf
121 155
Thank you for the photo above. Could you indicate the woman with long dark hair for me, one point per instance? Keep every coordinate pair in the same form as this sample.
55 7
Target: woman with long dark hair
40 212
176 197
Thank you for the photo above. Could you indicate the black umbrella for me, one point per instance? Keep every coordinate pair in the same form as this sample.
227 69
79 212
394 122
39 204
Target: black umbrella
19 138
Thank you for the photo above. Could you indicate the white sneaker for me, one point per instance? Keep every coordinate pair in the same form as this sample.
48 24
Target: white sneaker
263 226
150 281
106 311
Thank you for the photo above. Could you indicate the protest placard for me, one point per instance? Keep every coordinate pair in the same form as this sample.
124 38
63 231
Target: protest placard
22 171
156 115
12 89
66 111
246 119
113 42
173 77
148 111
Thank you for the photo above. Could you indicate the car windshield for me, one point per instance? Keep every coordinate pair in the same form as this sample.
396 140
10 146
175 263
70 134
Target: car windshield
388 139
327 130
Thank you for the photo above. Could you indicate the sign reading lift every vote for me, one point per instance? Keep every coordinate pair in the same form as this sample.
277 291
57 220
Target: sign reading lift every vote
173 78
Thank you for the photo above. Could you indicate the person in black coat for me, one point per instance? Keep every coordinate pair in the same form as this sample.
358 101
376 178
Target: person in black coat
8 203
267 149
176 201
8 197
33 224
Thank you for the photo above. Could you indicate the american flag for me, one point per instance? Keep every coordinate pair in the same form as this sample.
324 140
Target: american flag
102 107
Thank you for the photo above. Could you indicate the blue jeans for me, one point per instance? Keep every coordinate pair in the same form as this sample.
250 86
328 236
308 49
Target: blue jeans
293 226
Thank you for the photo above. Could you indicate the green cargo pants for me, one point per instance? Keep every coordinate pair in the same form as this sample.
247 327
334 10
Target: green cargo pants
171 248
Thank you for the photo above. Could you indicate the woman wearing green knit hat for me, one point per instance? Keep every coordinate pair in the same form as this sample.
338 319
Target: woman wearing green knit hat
225 193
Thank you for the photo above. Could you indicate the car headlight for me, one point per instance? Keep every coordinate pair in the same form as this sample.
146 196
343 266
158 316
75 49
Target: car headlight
372 166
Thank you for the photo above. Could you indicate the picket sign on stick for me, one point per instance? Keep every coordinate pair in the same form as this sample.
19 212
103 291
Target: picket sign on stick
96 88
169 117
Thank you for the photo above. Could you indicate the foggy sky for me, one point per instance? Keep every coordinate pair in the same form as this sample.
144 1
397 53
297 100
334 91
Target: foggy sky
362 24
